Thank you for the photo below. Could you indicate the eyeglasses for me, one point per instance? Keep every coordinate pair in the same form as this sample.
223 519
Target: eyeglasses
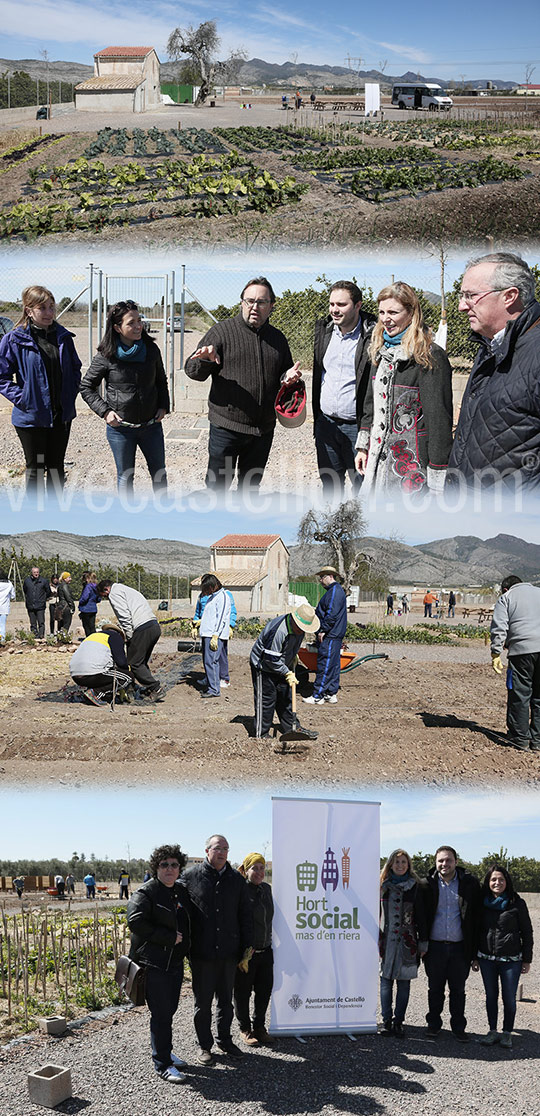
169 864
257 301
472 297
218 848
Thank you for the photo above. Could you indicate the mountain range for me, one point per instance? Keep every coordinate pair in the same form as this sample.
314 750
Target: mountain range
460 561
253 72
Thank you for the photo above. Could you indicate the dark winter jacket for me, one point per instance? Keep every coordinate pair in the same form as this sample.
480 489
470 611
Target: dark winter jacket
506 933
469 906
36 592
277 646
88 598
499 422
65 596
220 912
262 906
155 914
247 379
332 611
136 390
323 333
24 381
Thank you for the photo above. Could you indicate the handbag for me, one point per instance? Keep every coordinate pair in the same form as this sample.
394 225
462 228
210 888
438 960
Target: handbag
59 612
131 979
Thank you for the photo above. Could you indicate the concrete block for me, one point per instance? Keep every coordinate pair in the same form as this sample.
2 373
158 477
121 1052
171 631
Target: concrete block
53 1024
49 1085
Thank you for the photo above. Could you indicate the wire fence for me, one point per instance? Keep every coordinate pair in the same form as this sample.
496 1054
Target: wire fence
180 302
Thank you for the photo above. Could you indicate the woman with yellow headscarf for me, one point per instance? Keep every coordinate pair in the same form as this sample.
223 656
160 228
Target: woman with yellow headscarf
257 975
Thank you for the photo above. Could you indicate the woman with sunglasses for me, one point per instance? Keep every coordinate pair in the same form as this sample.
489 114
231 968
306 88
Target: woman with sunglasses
136 398
159 928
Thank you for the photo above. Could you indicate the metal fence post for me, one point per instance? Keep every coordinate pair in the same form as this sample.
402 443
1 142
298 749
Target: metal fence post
90 309
182 313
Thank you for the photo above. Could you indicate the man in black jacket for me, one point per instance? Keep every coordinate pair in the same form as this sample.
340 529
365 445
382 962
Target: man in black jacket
498 433
340 379
221 935
248 360
159 929
36 594
452 901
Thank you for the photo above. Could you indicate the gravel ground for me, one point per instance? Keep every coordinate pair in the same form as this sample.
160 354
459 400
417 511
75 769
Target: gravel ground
111 1069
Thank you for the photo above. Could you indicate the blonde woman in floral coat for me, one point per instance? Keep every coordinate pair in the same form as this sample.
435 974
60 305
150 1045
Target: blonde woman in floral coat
405 435
403 937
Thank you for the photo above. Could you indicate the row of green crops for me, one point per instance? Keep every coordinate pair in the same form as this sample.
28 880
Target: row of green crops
250 628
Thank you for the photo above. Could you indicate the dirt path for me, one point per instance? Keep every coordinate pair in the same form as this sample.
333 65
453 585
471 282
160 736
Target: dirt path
432 719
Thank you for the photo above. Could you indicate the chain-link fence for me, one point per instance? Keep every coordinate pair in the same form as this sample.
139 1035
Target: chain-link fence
180 302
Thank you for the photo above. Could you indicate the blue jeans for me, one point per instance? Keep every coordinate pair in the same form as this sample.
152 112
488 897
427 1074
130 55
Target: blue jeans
211 663
124 441
509 973
335 441
402 999
162 996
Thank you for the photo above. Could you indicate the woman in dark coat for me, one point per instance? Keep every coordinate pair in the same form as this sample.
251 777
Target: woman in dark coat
257 974
405 435
40 375
159 928
65 601
88 602
136 395
505 947
403 937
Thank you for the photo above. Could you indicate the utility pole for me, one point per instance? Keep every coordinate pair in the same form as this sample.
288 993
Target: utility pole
358 61
45 55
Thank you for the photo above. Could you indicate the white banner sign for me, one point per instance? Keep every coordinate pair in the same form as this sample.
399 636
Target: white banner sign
373 97
325 882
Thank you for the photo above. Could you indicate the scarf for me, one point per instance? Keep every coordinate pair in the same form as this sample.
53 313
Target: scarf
395 339
499 902
137 352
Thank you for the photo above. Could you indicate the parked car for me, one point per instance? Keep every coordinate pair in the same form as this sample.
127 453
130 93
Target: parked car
5 325
177 323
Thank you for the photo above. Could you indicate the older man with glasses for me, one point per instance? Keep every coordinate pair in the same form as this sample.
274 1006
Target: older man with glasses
247 360
498 433
221 937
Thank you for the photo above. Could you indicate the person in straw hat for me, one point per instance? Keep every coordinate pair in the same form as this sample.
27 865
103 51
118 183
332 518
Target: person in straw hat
272 661
332 613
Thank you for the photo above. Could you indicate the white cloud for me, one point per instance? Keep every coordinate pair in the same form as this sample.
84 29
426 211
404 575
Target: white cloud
412 54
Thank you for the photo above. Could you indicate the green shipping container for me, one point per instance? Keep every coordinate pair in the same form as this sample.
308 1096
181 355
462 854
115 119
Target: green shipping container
182 94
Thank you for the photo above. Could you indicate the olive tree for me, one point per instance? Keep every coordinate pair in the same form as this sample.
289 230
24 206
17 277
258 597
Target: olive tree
339 530
200 45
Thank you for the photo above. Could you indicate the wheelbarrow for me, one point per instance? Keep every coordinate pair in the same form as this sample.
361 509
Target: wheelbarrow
348 660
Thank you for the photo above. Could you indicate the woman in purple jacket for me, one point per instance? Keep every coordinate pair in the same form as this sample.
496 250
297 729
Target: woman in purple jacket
40 375
88 602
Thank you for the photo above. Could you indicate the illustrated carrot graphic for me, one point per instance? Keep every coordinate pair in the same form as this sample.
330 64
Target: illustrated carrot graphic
346 866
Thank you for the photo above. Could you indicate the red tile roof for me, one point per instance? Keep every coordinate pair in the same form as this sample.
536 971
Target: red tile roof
124 52
245 542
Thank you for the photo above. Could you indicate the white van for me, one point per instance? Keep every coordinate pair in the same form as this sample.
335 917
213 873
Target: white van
421 96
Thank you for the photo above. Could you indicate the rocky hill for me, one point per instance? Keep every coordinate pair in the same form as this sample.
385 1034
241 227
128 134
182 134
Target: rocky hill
464 561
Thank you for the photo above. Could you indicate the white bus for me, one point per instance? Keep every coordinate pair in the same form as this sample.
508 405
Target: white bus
421 96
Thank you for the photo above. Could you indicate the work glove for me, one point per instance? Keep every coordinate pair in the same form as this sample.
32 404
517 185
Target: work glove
196 623
496 663
231 633
244 963
194 630
214 642
291 678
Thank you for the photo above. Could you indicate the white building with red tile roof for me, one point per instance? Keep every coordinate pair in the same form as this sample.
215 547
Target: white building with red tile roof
256 570
126 79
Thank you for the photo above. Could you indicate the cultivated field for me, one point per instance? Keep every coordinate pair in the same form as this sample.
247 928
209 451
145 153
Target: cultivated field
308 181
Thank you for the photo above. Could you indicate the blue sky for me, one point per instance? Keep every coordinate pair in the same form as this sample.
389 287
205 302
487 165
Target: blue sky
56 822
202 523
466 40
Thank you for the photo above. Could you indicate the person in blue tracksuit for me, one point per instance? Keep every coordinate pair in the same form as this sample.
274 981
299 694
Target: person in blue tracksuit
202 601
332 613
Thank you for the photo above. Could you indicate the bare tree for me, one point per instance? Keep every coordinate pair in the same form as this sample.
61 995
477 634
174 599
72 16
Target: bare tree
340 531
200 44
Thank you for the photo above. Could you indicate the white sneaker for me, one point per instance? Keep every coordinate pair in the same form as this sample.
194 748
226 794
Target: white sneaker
331 698
224 685
313 701
173 1075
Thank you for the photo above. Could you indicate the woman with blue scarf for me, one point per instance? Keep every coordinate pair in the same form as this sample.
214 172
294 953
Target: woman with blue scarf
136 395
403 936
505 946
405 435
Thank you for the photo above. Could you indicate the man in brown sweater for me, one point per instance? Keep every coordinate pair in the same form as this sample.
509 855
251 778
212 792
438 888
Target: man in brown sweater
248 360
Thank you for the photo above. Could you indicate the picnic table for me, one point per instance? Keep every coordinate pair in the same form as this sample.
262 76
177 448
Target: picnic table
339 106
482 613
